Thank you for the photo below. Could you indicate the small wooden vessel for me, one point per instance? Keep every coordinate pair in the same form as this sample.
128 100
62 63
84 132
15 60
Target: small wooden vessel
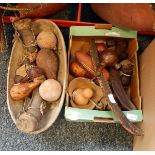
17 54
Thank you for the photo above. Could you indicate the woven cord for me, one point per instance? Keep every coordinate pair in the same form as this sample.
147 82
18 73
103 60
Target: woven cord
15 9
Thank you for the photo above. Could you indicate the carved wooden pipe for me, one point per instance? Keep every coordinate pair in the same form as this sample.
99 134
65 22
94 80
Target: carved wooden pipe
129 126
119 90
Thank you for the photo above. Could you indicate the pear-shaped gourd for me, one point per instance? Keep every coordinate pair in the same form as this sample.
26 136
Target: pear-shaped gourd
82 96
47 60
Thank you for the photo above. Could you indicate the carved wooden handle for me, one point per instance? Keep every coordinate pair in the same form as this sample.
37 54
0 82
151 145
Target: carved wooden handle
130 127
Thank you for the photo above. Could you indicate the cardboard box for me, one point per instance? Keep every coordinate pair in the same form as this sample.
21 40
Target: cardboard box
79 40
147 86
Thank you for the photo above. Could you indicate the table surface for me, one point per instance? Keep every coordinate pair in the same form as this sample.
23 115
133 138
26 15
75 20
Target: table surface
62 135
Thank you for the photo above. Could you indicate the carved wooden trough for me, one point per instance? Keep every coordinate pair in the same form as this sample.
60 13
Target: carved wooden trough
16 58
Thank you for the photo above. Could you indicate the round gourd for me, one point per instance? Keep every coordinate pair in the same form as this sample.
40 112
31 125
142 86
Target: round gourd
87 93
46 40
50 90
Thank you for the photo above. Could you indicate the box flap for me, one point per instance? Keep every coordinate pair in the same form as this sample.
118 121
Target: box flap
91 31
147 83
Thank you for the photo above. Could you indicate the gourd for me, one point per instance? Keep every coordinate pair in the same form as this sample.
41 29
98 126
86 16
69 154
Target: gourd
82 96
50 90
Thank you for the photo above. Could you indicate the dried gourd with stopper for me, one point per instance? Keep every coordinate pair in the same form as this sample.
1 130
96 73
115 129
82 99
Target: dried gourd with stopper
28 120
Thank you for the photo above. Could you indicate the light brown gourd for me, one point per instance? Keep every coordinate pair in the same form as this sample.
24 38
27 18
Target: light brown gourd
47 39
50 90
82 96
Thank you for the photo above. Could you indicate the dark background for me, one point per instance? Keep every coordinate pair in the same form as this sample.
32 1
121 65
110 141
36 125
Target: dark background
62 135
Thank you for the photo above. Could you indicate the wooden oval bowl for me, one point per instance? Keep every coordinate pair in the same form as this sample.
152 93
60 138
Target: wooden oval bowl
15 107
